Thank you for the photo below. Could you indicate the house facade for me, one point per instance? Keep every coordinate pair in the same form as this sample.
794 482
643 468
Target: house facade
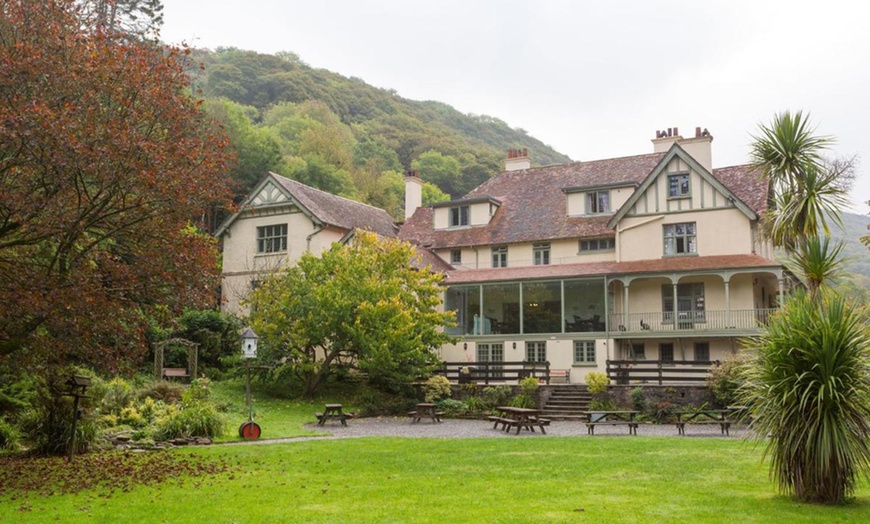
607 265
279 221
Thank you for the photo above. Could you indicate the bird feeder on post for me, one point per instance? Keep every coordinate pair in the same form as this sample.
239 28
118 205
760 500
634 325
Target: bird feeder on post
249 429
77 386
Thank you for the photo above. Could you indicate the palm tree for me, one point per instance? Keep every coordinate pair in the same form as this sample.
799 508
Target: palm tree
807 383
817 260
804 190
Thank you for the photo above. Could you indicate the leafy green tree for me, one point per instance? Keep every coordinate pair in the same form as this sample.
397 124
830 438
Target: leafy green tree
364 306
808 385
257 149
441 170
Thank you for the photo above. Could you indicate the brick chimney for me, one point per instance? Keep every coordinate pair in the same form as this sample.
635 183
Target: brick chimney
517 159
413 193
699 146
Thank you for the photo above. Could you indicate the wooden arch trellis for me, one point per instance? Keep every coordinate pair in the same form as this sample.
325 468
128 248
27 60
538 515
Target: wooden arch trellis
192 356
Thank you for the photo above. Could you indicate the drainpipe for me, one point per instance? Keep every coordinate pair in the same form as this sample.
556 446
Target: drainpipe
317 229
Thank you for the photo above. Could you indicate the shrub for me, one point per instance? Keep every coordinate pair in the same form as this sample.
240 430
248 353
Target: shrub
452 408
373 402
808 391
131 417
638 401
197 419
436 388
199 391
596 382
726 378
603 404
663 412
47 425
496 395
529 385
117 394
477 404
163 390
10 437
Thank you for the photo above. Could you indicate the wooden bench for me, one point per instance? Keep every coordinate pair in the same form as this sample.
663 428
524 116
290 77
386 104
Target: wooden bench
724 425
174 373
632 426
561 376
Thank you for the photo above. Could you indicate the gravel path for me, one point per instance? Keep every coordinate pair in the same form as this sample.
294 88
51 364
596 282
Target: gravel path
455 428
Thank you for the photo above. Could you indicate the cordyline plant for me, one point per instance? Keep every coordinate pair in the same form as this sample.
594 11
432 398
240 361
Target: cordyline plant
808 389
107 167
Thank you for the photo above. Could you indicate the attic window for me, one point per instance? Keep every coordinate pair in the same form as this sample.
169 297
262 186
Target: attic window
597 202
459 216
678 186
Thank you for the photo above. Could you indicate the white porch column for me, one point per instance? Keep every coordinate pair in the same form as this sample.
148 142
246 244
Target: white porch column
727 304
781 296
625 310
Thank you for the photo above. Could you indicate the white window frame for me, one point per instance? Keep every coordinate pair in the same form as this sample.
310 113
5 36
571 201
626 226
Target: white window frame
584 353
597 202
499 256
680 239
541 254
272 239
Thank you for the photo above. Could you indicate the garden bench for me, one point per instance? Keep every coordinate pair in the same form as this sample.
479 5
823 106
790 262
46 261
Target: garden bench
174 373
561 376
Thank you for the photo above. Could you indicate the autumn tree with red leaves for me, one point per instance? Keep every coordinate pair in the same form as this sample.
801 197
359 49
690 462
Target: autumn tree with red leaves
106 163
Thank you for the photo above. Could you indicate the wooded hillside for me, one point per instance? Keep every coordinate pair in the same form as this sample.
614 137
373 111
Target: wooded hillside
345 136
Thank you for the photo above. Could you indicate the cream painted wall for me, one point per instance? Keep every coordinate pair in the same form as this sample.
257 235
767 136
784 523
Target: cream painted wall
576 202
242 264
479 214
441 218
719 232
564 251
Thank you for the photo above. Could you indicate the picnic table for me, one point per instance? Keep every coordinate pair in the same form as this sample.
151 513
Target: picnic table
510 417
425 410
611 418
722 417
332 412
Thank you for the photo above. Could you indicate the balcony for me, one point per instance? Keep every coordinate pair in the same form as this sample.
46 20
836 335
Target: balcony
733 322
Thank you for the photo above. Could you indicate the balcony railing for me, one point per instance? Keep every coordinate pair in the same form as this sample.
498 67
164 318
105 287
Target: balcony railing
711 320
658 372
499 372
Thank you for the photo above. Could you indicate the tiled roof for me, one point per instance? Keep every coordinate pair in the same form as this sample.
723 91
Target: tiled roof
436 263
533 204
675 264
338 211
747 183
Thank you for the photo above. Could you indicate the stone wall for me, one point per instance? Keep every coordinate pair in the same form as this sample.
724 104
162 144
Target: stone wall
679 395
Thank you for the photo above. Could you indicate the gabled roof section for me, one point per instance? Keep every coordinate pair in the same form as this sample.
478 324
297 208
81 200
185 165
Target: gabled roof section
321 207
678 152
533 204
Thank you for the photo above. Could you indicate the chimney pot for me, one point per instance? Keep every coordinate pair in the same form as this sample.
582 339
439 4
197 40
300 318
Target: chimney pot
676 132
697 132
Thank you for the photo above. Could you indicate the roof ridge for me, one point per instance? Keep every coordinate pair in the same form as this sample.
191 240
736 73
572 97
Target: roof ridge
328 194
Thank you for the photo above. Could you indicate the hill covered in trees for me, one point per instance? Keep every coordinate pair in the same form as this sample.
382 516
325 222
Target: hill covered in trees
348 137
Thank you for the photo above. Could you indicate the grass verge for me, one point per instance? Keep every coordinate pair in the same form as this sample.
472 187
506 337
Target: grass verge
608 479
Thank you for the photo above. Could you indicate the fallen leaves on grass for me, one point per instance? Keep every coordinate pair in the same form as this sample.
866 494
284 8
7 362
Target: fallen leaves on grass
107 471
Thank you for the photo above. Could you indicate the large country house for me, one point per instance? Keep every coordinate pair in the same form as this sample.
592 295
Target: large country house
601 265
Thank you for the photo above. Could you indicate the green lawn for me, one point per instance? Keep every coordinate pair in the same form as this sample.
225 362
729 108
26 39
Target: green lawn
606 479
278 417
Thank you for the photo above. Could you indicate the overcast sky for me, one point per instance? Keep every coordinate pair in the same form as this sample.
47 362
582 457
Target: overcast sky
591 79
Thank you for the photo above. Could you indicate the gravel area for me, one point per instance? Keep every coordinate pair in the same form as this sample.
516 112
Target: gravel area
458 428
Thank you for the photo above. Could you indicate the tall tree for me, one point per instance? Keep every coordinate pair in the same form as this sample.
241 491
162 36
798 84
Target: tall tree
806 190
106 162
363 305
140 18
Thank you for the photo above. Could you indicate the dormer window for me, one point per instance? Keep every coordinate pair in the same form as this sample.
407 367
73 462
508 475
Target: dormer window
597 202
458 216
